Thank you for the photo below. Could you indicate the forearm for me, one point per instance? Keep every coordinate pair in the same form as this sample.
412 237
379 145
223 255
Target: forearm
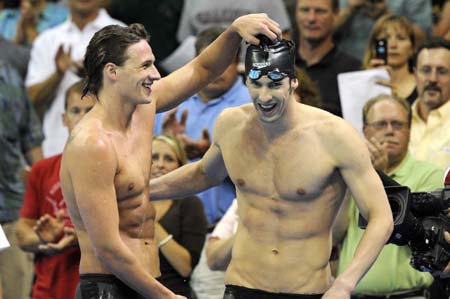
182 182
45 91
203 69
27 239
374 238
121 262
178 256
218 253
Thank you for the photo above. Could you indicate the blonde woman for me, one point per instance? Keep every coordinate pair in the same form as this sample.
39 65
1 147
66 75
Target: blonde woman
399 34
180 226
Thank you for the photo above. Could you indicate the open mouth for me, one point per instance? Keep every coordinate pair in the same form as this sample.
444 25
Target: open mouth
147 85
267 108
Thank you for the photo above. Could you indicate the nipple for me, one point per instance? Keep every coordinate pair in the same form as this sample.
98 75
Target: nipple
301 191
240 182
275 251
130 186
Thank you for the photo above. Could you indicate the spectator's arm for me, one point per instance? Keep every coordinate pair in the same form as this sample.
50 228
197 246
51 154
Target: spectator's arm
27 239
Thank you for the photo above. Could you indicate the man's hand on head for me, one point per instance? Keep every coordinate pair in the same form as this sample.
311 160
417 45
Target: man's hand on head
249 26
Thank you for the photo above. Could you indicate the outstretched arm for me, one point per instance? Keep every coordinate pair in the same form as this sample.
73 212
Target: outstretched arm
181 84
191 178
353 161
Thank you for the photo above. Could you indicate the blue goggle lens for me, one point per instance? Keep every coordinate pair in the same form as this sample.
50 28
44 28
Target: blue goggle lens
274 75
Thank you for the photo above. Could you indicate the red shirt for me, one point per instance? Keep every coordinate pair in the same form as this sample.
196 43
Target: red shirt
56 276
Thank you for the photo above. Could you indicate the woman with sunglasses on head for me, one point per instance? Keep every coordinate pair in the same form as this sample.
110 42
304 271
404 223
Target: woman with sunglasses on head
397 34
180 226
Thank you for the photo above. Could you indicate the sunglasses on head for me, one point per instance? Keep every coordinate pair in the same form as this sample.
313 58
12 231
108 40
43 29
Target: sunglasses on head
274 75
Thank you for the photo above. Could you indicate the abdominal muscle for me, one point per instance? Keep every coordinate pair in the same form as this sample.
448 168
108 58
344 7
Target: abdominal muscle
288 254
136 228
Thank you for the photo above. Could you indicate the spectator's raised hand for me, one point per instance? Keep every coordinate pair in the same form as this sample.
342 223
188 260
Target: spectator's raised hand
63 60
69 239
249 26
50 229
196 149
171 126
378 155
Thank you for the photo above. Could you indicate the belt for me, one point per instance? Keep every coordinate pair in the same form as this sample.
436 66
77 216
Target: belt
393 296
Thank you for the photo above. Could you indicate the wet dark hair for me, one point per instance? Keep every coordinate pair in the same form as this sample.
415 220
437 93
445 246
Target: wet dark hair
109 45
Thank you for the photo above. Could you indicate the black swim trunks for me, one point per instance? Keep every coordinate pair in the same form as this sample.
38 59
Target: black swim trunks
99 286
237 292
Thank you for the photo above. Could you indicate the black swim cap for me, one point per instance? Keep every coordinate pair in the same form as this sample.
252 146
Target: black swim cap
276 60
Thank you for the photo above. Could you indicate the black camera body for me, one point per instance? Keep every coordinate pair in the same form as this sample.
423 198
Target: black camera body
420 222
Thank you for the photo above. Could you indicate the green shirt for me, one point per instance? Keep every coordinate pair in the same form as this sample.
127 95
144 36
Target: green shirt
392 272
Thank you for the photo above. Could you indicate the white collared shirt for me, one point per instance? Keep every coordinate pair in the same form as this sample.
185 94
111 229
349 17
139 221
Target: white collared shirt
430 140
42 66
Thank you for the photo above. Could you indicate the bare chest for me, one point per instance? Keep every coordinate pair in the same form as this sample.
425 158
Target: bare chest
291 170
133 171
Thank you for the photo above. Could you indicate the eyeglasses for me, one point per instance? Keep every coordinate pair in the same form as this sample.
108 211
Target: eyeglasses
274 75
383 124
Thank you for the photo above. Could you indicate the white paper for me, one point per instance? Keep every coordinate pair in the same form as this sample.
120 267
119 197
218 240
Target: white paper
356 88
3 240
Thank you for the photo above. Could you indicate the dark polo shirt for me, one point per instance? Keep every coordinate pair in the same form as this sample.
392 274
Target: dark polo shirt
324 75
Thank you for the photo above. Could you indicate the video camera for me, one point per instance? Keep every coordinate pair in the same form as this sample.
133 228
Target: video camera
420 221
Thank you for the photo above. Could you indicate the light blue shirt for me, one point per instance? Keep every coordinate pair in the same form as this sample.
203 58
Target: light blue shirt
54 14
203 115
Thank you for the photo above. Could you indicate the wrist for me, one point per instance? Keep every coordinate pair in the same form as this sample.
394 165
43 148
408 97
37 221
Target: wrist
165 240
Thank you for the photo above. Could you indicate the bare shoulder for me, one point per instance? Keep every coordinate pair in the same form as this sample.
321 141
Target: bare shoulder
88 142
337 136
231 118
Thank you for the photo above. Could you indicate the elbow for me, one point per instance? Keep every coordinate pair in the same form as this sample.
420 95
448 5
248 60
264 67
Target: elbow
186 272
213 261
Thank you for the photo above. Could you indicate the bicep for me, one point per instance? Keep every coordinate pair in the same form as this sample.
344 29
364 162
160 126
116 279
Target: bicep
179 85
358 173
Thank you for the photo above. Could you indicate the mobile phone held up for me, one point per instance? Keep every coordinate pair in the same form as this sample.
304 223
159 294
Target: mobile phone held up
381 49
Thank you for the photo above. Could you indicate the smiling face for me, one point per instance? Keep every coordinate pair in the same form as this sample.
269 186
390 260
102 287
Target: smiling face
271 98
164 158
137 74
387 122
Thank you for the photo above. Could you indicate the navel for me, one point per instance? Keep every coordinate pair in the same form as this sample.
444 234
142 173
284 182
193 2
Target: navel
301 191
130 186
240 182
275 251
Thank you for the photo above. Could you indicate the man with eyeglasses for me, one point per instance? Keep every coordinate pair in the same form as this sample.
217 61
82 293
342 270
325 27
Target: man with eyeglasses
430 127
386 127
291 164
